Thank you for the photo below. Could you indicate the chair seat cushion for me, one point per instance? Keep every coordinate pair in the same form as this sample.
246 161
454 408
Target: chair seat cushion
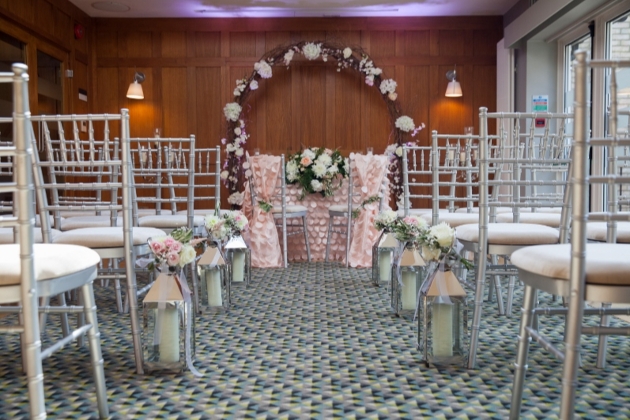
605 263
292 209
453 219
169 221
106 237
510 234
546 219
51 261
596 231
341 208
415 212
204 212
82 222
6 235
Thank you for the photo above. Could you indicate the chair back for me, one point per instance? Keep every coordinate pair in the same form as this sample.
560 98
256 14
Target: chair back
525 164
20 185
164 175
207 178
417 177
90 174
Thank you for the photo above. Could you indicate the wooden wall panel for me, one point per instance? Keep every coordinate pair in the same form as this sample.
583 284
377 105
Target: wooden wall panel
381 43
173 44
417 43
280 116
174 103
208 132
207 44
135 44
243 44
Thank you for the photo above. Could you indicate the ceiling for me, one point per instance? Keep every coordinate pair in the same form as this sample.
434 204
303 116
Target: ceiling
289 8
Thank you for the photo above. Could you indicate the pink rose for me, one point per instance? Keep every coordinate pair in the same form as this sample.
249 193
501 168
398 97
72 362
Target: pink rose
329 152
176 247
157 247
168 242
172 258
306 161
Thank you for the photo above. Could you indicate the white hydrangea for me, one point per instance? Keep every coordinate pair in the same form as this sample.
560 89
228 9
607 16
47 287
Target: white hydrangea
253 85
236 198
332 169
187 255
386 217
311 51
239 152
388 86
308 153
347 52
405 123
317 186
288 57
324 159
399 151
319 169
231 111
237 131
443 234
263 69
225 174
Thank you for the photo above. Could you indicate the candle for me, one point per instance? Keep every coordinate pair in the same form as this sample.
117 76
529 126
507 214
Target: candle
462 157
451 155
384 264
238 266
168 322
408 292
443 329
475 154
213 287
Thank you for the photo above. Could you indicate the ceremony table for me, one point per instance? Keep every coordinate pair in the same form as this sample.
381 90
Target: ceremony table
373 168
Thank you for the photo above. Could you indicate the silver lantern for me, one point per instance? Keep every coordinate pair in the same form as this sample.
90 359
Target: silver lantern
408 273
239 258
214 281
382 254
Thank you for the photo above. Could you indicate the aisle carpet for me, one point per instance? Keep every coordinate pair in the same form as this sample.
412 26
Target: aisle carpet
314 341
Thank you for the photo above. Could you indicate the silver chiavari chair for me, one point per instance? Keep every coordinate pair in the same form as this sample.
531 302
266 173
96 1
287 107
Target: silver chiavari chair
579 271
521 148
417 180
207 181
104 167
29 271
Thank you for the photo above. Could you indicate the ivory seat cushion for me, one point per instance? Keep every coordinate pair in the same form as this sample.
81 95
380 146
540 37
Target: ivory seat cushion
510 234
293 209
547 219
169 221
415 212
6 235
204 212
51 261
106 237
341 208
453 219
83 222
596 231
83 213
605 263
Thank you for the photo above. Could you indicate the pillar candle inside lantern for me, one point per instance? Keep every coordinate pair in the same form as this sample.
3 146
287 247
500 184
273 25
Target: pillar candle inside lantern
238 266
408 292
168 322
442 329
384 264
213 287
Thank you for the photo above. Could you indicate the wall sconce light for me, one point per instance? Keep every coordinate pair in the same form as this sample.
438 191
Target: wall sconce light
453 90
135 89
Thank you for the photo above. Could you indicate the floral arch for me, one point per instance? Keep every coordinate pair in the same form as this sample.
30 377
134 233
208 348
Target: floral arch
345 58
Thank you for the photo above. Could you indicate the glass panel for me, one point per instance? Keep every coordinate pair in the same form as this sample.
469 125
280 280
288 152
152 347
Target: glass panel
49 85
583 44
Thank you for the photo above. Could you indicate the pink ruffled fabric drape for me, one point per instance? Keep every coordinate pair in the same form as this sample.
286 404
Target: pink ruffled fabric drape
371 171
264 243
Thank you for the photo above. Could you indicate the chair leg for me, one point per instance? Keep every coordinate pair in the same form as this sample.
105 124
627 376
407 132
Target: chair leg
603 340
65 325
478 307
520 366
510 296
348 239
497 286
195 285
94 338
308 247
329 237
132 299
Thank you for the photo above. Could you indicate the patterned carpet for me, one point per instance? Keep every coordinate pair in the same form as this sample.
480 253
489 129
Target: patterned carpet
314 341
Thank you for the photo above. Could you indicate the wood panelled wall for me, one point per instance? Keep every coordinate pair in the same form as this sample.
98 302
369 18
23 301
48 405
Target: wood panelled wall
191 66
48 26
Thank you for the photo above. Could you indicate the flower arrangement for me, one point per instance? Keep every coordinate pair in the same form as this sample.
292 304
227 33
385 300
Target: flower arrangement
174 250
409 228
385 220
346 58
317 170
227 225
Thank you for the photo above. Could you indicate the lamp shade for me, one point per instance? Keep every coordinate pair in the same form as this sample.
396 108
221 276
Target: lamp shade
453 89
135 91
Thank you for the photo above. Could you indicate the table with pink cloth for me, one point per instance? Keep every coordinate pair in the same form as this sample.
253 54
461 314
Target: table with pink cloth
371 171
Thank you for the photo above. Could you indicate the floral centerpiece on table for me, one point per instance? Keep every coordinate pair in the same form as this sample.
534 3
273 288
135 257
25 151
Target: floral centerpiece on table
317 170
226 226
174 250
385 220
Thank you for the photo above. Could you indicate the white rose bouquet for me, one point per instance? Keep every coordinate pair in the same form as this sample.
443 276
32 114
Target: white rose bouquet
385 220
316 170
227 225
